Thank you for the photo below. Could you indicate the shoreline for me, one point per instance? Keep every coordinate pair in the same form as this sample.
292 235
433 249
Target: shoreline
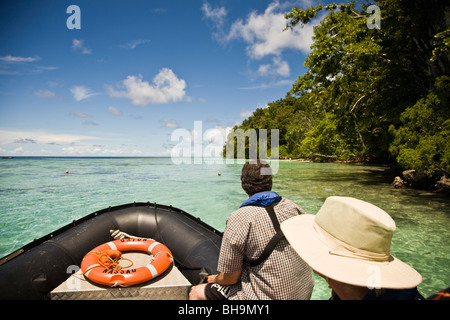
401 178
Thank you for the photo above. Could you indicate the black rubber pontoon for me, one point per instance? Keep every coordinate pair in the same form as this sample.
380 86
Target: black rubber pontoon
37 268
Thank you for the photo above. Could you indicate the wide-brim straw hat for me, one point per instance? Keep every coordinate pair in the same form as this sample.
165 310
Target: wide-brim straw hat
349 240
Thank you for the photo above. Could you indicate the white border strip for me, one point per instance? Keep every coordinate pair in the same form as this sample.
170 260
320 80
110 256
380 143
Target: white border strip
152 270
112 245
152 246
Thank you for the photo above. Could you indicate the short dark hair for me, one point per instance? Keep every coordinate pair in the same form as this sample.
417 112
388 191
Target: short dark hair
252 180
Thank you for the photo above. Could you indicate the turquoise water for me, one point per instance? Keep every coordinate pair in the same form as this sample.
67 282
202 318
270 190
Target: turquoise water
37 197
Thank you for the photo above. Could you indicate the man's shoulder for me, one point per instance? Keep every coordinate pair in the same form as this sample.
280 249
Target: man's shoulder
245 212
248 213
289 204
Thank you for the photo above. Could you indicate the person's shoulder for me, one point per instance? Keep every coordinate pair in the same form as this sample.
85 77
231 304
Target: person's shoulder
242 218
289 204
245 212
242 214
286 201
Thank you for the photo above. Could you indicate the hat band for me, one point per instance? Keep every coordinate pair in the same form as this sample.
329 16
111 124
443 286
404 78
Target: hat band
345 250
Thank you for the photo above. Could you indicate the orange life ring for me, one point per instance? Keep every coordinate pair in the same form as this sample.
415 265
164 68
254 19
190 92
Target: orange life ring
127 277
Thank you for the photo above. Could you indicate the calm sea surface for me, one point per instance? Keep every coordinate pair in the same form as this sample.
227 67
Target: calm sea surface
37 197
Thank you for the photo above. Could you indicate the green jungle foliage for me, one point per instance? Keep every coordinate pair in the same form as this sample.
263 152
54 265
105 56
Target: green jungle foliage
368 93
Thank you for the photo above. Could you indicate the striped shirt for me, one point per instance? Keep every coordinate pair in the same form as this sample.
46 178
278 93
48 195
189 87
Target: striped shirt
283 276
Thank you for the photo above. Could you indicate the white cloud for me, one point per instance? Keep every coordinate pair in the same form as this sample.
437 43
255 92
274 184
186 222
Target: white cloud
44 94
216 17
45 68
27 140
41 142
265 36
273 84
81 115
9 136
53 84
100 150
133 44
278 67
264 69
78 45
215 14
15 65
114 111
81 92
90 123
17 151
245 114
136 152
86 116
166 87
90 150
170 123
136 117
11 59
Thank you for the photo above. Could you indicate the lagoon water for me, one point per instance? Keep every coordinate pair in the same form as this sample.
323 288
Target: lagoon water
37 197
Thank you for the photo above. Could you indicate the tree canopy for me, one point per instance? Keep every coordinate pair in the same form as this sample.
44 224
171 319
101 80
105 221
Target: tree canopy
369 93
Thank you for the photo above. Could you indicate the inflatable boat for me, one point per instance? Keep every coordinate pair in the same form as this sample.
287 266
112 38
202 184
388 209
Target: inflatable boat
33 271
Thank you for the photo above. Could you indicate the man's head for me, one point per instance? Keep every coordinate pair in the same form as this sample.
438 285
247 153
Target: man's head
255 177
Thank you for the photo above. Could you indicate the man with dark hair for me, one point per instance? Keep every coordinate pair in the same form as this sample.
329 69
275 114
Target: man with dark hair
256 261
252 179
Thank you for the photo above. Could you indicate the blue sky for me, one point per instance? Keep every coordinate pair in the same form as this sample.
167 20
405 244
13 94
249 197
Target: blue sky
137 71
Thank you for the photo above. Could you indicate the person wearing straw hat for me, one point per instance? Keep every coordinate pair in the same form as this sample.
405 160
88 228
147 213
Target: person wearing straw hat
348 244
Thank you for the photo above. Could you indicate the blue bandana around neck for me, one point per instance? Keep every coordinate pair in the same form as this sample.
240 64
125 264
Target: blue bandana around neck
262 199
